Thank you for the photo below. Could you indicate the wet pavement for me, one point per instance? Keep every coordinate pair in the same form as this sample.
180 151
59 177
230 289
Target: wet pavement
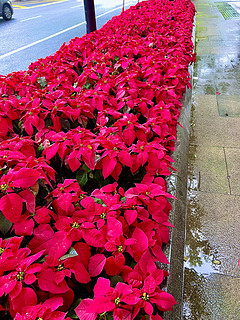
212 274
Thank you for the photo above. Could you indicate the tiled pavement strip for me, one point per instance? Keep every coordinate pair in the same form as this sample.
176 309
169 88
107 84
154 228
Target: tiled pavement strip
212 274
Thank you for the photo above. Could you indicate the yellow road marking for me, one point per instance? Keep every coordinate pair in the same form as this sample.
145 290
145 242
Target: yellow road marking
38 5
36 2
18 7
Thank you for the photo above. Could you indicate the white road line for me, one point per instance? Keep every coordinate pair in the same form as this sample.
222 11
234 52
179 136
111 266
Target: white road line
41 40
44 4
30 18
103 14
78 6
56 34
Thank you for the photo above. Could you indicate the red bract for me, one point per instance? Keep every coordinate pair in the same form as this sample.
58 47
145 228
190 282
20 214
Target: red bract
114 156
8 252
23 273
51 277
152 294
11 206
19 271
116 243
109 299
45 311
86 136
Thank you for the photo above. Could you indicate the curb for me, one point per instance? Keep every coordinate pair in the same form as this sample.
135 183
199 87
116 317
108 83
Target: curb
177 186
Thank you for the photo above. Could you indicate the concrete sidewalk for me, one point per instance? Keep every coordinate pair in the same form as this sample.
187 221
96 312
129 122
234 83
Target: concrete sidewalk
212 274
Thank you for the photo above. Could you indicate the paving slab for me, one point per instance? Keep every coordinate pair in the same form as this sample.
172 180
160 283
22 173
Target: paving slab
229 105
219 132
205 106
208 164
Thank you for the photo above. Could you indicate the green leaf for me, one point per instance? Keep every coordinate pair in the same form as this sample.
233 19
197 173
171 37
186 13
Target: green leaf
99 201
82 178
139 175
115 279
71 312
40 148
109 316
42 82
99 178
102 315
5 224
123 199
71 253
85 168
87 85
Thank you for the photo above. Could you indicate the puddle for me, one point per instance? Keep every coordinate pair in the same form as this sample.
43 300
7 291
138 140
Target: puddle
198 253
194 307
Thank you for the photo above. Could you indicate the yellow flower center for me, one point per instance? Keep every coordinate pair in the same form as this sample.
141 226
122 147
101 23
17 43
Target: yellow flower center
120 249
20 276
4 186
145 296
117 301
103 215
75 225
60 267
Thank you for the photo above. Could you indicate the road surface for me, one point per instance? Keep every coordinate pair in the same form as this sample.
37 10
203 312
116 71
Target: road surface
40 27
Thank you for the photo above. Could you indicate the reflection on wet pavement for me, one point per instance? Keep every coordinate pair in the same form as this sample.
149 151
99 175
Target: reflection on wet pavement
195 299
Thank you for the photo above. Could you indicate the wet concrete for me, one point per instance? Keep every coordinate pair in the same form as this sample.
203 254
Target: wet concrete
212 247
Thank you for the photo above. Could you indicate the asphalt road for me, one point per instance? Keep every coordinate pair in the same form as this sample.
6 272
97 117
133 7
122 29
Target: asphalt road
40 27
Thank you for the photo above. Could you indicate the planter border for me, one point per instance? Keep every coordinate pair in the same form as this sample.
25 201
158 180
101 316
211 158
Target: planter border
177 186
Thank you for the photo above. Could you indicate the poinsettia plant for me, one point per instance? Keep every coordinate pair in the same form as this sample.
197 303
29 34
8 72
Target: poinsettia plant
85 142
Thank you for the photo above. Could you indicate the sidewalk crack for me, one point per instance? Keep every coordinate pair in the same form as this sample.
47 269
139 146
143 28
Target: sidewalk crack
228 176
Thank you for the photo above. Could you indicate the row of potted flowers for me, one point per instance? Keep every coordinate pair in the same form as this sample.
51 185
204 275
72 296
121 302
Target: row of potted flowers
86 137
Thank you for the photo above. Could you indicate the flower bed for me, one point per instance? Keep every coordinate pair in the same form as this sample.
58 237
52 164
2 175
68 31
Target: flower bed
85 141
